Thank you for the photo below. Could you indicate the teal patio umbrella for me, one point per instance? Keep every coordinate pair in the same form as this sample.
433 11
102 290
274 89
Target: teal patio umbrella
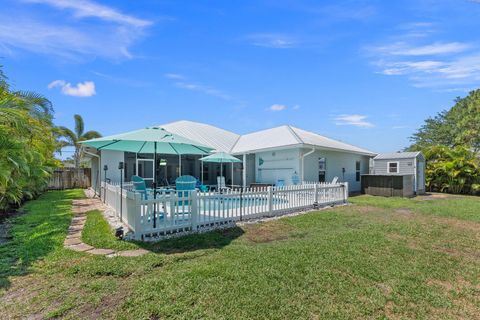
221 157
149 140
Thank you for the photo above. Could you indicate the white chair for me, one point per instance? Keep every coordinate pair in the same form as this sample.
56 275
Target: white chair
335 180
221 184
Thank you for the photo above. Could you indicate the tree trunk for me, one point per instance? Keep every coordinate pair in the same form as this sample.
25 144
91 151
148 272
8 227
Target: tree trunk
77 157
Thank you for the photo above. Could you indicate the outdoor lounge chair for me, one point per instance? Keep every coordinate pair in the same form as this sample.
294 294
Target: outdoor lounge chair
280 183
295 179
335 180
140 187
221 184
200 186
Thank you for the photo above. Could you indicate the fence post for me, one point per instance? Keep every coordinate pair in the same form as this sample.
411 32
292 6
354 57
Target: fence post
117 200
270 200
345 192
137 225
194 208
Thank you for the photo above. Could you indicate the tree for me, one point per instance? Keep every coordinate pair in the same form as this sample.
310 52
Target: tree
453 170
459 126
73 138
27 144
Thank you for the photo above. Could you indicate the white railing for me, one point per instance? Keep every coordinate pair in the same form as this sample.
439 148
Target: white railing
180 211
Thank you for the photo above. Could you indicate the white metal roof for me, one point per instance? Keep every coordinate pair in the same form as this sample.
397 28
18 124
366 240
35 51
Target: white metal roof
279 137
285 136
317 140
219 139
266 139
397 155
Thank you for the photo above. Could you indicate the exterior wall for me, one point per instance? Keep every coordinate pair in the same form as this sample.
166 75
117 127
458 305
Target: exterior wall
407 166
95 165
277 165
250 169
111 159
335 161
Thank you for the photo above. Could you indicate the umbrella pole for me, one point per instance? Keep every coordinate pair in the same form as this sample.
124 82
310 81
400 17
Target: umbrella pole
179 165
201 170
232 174
154 185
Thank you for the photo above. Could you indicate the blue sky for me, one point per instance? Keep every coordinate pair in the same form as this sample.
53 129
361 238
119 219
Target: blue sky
364 72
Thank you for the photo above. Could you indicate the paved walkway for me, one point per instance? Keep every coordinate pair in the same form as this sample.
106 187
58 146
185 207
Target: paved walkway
73 240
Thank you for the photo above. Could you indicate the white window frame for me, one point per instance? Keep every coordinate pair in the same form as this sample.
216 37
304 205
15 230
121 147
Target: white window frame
398 166
358 171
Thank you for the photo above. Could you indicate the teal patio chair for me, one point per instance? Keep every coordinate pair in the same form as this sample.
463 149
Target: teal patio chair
200 186
280 183
295 179
140 187
184 185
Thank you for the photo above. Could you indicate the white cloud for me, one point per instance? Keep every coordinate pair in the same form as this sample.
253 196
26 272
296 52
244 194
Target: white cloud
272 40
110 37
174 76
437 48
277 107
81 89
182 82
356 120
296 107
86 8
441 65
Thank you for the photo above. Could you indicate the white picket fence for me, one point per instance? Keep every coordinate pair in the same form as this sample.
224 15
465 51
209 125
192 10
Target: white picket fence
183 211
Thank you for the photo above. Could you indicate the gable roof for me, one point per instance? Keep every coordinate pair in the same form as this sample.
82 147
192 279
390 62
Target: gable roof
210 136
280 137
286 136
397 155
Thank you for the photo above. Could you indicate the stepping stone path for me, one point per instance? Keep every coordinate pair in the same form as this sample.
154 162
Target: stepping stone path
73 241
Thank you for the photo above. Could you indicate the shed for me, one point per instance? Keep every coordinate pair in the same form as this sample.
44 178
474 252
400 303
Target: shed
402 163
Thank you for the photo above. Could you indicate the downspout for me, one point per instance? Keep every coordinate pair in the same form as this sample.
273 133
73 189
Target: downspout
244 171
303 162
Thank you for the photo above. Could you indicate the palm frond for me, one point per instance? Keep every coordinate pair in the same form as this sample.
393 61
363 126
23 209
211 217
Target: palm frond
79 125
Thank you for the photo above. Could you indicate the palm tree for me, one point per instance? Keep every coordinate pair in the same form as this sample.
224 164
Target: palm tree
73 138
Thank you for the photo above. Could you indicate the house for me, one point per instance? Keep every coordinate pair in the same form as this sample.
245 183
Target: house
402 163
283 153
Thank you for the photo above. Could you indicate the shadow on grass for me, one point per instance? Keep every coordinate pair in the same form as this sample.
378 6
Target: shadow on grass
209 240
36 233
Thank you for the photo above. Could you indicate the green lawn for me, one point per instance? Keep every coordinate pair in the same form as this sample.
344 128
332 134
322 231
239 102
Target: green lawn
378 258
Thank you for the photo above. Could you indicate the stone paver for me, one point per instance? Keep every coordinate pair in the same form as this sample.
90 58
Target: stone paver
101 252
80 247
131 253
73 240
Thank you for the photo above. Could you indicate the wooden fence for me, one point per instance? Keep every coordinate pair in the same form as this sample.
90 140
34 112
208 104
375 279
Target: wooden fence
69 178
191 211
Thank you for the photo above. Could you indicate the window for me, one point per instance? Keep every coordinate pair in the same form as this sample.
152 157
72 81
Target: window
392 167
357 170
322 168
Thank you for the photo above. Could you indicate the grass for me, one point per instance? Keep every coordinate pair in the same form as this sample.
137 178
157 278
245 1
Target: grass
98 233
378 258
